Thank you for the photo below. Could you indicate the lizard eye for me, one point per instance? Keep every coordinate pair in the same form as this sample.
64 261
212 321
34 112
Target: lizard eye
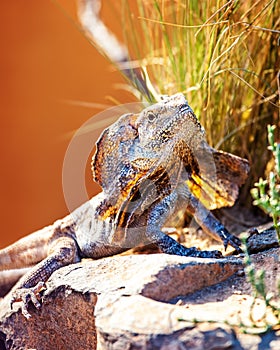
151 116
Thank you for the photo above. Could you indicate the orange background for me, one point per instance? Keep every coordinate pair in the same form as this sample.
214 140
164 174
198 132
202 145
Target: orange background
45 61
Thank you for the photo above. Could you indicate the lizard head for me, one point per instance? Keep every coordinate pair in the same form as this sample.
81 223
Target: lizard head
169 120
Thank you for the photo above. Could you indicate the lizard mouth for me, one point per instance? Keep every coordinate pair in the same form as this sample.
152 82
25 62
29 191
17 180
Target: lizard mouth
185 108
186 111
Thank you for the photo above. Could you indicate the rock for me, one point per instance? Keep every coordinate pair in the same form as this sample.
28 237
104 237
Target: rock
66 321
136 322
144 302
260 241
121 302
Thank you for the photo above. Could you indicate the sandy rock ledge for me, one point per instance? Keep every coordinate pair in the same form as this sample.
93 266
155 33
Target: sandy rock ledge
122 303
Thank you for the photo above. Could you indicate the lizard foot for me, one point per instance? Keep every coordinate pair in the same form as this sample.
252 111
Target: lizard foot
24 295
229 239
169 246
214 254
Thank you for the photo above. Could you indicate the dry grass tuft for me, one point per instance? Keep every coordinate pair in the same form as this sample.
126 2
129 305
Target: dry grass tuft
224 56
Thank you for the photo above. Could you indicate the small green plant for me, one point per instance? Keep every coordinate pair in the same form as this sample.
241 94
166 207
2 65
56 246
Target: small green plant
257 281
266 193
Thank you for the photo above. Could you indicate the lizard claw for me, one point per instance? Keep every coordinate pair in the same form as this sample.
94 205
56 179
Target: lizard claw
216 254
211 254
24 295
229 239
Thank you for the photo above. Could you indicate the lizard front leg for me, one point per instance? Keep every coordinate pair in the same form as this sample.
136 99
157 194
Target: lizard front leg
206 219
158 214
62 251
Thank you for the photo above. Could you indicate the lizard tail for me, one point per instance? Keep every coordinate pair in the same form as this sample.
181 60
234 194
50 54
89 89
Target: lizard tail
9 278
27 251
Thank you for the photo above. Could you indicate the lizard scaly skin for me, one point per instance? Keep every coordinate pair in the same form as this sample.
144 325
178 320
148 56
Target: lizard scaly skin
147 165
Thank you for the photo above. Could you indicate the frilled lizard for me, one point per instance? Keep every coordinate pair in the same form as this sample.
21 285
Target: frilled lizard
149 165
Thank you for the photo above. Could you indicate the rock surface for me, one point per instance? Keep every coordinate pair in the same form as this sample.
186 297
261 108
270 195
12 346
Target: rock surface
153 301
120 302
